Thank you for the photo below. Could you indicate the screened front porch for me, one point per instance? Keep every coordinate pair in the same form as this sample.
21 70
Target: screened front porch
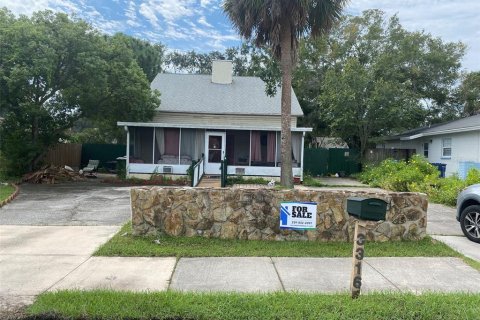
172 150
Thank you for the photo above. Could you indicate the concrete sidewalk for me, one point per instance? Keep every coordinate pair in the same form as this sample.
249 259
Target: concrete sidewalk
263 274
36 259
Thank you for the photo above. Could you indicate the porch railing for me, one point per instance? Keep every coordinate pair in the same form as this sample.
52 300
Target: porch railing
223 172
198 172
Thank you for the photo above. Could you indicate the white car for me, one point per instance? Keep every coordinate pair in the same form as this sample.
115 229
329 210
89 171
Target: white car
468 212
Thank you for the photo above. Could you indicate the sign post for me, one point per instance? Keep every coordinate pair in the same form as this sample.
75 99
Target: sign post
358 254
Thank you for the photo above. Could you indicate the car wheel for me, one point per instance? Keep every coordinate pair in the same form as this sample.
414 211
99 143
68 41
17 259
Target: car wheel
470 222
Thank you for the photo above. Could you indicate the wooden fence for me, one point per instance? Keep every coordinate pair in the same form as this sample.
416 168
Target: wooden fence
62 154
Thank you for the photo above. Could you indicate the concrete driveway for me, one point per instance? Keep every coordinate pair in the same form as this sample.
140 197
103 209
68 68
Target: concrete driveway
443 226
68 204
35 258
49 231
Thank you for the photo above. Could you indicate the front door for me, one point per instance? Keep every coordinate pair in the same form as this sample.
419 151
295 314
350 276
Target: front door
215 151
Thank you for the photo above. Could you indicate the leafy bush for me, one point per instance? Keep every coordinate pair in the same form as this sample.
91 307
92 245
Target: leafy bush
241 180
399 175
418 175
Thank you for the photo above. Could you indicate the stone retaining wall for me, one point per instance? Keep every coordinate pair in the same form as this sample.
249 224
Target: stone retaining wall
254 213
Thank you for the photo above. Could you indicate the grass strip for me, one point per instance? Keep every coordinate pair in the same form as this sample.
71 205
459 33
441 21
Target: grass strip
125 244
6 191
279 305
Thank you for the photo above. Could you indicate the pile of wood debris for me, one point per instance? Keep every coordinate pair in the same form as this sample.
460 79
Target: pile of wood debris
52 174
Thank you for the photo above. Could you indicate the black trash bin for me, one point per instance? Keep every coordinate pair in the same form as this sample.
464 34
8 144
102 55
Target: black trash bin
442 167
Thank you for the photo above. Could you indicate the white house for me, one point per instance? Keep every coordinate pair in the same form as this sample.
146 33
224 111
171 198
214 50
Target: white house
455 143
207 118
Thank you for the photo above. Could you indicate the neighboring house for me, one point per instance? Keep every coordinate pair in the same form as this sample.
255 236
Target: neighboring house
329 143
216 116
455 143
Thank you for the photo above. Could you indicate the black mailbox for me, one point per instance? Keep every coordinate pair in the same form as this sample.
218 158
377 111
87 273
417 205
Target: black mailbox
367 208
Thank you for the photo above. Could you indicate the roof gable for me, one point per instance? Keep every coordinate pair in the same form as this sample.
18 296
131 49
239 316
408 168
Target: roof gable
197 94
471 123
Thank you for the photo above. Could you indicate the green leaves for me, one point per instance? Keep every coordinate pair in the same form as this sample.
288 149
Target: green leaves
371 78
55 70
469 93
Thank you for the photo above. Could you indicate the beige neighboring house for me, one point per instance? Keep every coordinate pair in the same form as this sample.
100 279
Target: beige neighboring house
329 143
208 118
454 143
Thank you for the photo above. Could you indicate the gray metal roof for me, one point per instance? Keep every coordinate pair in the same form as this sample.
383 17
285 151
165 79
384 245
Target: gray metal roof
197 94
471 123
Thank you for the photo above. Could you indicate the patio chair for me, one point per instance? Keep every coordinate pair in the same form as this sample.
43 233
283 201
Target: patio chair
91 168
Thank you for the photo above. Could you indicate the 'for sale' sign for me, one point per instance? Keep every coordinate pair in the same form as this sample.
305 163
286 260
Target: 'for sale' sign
298 215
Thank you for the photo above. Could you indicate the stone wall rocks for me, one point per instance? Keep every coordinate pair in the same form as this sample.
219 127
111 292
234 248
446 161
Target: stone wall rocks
253 213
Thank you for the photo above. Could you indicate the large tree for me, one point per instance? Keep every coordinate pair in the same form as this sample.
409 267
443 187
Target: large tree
247 59
55 70
149 56
279 24
370 77
469 93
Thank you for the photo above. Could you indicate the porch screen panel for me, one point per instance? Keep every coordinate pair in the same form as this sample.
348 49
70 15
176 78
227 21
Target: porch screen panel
187 146
171 142
296 148
263 148
279 147
256 149
159 144
271 146
238 147
143 145
199 144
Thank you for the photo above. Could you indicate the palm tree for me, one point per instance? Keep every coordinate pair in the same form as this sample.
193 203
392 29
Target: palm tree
279 24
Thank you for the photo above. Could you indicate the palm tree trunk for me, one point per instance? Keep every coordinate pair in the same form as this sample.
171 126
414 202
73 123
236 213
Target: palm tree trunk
286 176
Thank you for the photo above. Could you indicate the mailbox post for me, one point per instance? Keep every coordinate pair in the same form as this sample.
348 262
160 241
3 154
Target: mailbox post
365 209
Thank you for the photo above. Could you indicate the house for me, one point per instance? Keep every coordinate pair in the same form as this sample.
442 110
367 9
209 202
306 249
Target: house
455 143
203 117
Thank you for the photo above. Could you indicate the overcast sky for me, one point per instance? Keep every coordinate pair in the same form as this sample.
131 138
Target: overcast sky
201 25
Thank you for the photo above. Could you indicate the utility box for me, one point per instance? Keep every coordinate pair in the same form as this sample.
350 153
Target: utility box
367 208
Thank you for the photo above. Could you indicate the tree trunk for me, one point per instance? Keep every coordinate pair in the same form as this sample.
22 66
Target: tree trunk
286 176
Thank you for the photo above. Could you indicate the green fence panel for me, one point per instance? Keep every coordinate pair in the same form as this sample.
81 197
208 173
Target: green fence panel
106 153
315 161
320 162
343 161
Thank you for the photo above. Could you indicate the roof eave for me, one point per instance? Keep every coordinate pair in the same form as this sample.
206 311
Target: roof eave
205 126
435 133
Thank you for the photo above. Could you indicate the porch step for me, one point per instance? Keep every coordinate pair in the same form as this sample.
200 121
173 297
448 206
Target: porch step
210 181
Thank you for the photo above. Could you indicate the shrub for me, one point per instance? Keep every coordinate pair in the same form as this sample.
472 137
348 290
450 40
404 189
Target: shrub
418 175
241 180
399 175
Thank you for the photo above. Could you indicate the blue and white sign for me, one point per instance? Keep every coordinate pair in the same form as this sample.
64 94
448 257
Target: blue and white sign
298 215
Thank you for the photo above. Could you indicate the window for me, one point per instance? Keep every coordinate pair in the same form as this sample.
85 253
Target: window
425 150
447 148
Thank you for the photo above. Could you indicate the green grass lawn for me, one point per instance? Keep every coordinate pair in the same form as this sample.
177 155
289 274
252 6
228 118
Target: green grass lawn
5 191
279 305
125 244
